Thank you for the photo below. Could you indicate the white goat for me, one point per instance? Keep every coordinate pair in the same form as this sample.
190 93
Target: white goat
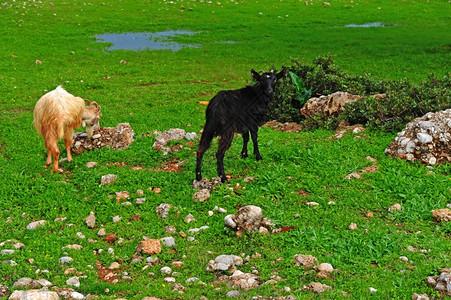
56 115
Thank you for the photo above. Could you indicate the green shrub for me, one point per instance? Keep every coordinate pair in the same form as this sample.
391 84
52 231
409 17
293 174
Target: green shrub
404 100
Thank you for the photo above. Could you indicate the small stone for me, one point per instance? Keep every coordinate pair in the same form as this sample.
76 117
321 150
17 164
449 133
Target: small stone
177 264
108 179
424 138
395 207
166 270
110 238
77 296
168 241
101 232
233 294
151 260
73 281
372 290
325 267
7 252
74 247
163 210
80 235
189 218
150 247
34 294
404 258
91 164
90 220
307 261
34 225
114 265
140 192
442 215
317 287
23 282
4 291
192 280
140 201
416 296
122 196
352 226
312 203
116 219
248 179
60 219
66 260
202 195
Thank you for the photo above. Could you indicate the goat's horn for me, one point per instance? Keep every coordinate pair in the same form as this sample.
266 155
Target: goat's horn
88 101
272 70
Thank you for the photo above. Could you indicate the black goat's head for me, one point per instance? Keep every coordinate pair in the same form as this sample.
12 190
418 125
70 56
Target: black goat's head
268 80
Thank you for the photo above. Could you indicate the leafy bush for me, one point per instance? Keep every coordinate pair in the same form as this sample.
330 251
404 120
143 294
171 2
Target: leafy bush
404 100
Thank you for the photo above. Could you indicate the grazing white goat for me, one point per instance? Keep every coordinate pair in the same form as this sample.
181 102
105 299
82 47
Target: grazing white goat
57 114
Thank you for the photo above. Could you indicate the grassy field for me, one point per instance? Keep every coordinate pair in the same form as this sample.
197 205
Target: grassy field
49 43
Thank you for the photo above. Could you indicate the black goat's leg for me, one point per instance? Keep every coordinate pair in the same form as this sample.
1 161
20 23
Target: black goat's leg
245 141
205 142
254 135
224 144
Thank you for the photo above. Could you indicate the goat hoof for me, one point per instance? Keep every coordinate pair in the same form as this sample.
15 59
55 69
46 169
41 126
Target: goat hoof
243 155
258 157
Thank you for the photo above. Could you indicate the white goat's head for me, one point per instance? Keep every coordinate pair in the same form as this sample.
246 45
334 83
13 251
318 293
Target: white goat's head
91 116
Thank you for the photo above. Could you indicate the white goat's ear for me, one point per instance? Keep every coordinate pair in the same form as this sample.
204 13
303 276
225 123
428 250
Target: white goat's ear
83 124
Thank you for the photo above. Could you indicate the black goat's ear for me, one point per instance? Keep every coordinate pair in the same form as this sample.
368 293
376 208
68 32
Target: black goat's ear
281 74
255 74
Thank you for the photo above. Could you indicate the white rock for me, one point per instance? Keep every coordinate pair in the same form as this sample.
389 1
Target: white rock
34 295
116 219
73 281
424 138
325 267
77 296
66 260
168 241
166 270
373 290
404 258
36 224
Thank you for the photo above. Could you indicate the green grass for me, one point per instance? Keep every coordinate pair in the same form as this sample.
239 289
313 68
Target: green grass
159 90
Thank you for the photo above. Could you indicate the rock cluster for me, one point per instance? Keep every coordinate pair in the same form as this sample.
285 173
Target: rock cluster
442 215
176 134
248 218
117 138
224 263
426 139
442 282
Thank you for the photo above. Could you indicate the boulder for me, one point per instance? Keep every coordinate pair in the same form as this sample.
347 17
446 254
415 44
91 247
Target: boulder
331 105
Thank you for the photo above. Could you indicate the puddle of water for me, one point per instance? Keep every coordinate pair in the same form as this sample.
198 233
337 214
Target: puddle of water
367 25
139 41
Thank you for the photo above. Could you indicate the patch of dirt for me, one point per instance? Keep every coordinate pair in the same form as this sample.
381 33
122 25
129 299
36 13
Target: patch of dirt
105 274
3 151
285 127
171 166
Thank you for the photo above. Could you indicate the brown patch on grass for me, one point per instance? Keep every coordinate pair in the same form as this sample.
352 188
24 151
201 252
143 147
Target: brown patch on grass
171 166
3 151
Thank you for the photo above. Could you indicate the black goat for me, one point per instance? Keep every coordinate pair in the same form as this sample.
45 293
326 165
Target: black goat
242 111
